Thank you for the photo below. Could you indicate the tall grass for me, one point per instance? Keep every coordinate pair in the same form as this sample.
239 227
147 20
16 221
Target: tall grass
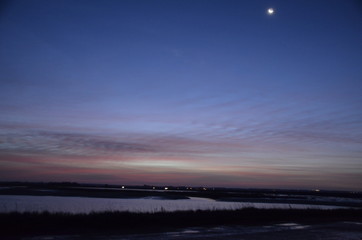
30 223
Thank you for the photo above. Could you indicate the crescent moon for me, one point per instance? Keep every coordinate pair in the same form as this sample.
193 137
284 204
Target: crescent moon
270 11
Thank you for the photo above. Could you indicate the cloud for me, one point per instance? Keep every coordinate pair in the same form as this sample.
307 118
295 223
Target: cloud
76 145
52 143
94 142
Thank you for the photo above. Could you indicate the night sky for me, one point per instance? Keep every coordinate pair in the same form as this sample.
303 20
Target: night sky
182 92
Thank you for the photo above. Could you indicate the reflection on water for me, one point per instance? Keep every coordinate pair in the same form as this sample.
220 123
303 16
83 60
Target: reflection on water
11 203
292 225
329 231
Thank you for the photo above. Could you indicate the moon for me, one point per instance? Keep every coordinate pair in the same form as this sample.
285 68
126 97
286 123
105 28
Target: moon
270 11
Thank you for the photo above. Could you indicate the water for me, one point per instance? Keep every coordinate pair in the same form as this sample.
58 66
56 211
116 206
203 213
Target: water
10 203
295 231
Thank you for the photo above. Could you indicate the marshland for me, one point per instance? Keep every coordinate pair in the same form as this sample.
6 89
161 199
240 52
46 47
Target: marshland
71 210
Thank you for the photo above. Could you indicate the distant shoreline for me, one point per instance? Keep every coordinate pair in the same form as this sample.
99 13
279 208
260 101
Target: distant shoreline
328 198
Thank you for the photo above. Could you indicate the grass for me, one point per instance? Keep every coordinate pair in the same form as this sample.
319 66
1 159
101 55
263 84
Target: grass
45 223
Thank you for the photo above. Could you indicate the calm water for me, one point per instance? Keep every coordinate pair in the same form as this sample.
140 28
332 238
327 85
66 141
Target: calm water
9 203
295 231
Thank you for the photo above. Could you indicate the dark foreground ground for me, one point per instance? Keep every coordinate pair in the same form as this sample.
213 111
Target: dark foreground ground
226 224
327 231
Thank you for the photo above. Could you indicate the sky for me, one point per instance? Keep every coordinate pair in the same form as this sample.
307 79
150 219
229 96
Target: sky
182 92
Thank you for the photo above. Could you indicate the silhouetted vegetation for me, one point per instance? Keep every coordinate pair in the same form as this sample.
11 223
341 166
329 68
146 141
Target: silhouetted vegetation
13 224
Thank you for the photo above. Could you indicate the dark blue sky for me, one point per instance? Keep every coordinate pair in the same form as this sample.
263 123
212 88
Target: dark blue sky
182 92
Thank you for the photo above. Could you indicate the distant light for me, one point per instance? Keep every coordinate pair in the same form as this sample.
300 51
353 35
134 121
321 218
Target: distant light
270 11
122 186
166 188
153 188
317 190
